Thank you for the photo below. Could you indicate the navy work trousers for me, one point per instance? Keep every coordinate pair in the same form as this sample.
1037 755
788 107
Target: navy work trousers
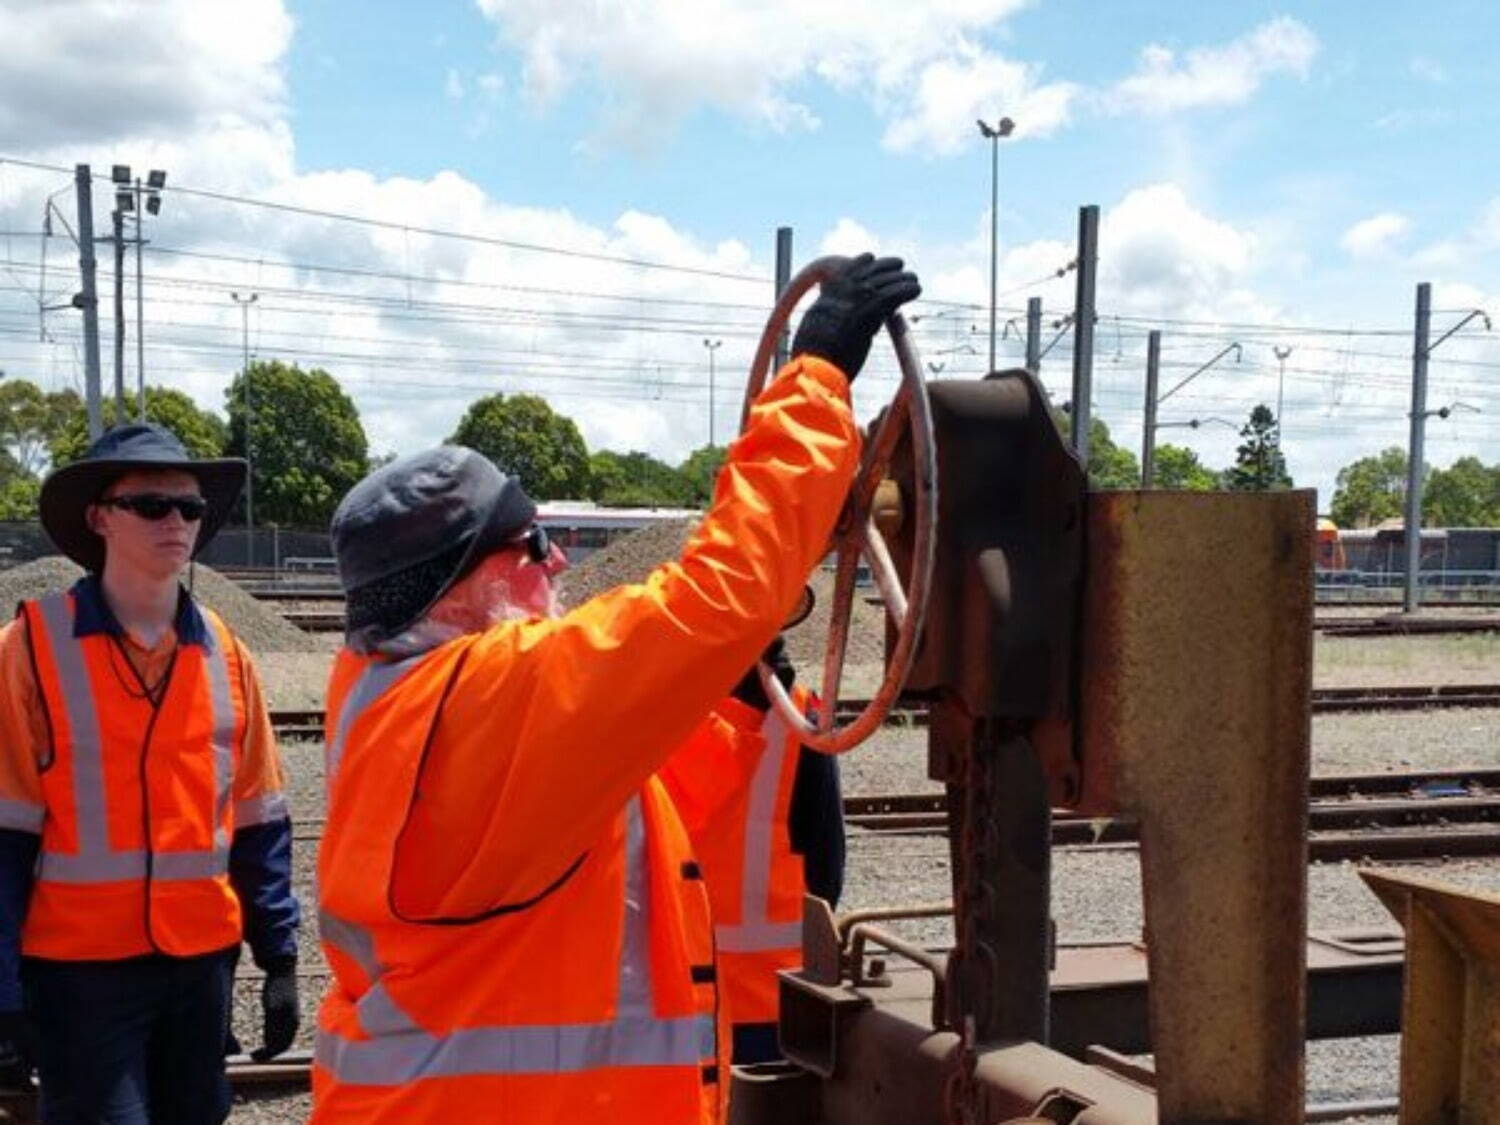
134 1042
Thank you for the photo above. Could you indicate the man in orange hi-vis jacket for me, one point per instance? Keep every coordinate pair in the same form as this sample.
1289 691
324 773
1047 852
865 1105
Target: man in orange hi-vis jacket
765 817
517 927
143 830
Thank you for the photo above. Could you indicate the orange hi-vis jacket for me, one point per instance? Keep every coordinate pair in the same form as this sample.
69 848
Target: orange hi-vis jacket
755 881
138 805
517 928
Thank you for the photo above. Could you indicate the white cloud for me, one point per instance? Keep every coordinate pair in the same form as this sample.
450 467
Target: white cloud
928 70
1372 237
89 70
1225 75
490 84
848 237
1428 70
453 85
951 94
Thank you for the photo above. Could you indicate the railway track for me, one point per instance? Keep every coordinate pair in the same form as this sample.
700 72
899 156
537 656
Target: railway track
1388 816
298 724
1448 814
1386 625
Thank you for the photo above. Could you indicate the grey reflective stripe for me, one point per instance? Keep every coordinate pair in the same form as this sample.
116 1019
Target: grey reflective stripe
403 1057
265 809
89 815
354 941
112 867
755 932
23 816
399 1051
634 997
370 686
222 703
95 861
758 937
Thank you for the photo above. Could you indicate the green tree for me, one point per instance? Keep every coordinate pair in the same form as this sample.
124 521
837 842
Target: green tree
524 436
1371 489
308 447
201 431
1466 494
635 480
1179 467
701 471
1110 466
31 419
1258 463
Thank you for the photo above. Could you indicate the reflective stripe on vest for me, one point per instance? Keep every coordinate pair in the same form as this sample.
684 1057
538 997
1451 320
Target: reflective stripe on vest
755 932
372 683
95 861
399 1051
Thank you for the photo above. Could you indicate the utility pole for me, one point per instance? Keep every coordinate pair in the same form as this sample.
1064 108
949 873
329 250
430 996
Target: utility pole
88 298
1003 128
712 346
118 219
1083 328
1034 336
1281 354
1148 426
244 303
1414 452
783 279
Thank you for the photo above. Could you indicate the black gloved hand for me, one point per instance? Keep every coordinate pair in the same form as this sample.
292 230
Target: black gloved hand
749 690
279 1003
17 1050
850 310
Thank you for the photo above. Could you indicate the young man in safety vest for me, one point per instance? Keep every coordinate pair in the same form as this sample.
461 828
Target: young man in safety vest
768 828
143 832
517 928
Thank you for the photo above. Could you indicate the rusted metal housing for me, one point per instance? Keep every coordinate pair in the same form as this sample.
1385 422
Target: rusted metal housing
1141 690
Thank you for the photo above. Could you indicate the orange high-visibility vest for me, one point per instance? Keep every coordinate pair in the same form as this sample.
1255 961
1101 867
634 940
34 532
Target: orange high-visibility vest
755 881
516 927
595 1002
137 822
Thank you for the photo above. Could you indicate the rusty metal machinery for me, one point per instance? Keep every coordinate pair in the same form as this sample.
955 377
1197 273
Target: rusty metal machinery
1073 658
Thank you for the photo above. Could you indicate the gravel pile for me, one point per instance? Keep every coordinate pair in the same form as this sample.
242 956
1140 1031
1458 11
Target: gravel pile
629 558
260 627
632 557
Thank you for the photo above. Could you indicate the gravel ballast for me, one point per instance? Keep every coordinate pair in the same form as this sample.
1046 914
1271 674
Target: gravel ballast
260 627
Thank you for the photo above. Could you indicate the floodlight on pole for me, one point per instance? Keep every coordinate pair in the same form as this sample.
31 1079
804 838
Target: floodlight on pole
1003 128
120 173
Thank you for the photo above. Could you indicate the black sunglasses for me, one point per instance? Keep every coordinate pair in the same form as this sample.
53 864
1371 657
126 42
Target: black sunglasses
538 543
153 506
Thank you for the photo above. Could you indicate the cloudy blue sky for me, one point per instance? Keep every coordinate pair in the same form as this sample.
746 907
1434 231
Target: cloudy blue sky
1273 176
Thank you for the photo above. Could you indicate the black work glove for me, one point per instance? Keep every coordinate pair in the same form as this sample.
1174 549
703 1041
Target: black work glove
17 1050
278 1000
851 308
749 690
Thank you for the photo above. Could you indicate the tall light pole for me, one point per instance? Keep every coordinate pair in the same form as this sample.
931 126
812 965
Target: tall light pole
124 204
244 303
712 346
151 203
1003 128
1281 354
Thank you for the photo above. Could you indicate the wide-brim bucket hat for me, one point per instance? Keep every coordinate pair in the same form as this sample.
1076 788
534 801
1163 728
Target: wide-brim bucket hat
411 529
68 492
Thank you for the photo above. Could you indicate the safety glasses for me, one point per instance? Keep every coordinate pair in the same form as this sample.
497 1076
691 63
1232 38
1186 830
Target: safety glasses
154 506
538 543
